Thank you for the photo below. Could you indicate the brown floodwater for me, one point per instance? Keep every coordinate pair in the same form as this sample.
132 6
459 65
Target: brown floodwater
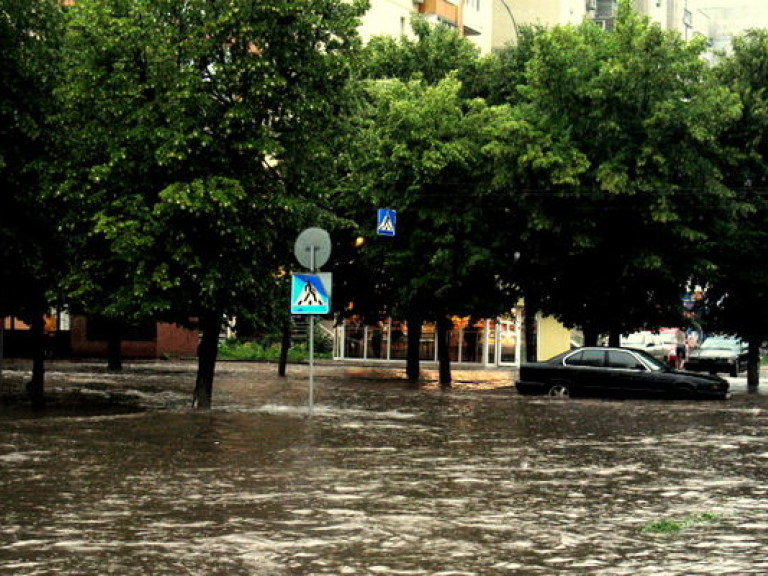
384 479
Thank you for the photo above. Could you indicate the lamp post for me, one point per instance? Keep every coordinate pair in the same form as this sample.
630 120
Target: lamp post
512 18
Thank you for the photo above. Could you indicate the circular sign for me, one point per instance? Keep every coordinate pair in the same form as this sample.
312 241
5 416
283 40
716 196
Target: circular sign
313 248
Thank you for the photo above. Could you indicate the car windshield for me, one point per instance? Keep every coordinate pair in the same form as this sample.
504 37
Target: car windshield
720 344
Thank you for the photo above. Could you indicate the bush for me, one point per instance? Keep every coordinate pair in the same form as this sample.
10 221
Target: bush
254 352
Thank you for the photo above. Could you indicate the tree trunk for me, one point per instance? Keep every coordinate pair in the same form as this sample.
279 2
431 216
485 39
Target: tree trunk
530 329
35 387
443 357
590 336
414 346
207 351
115 345
753 364
614 338
285 345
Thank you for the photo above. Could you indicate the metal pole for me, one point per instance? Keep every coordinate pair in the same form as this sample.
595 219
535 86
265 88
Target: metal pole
311 364
312 342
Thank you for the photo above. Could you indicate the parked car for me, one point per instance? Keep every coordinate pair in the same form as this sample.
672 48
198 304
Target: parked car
606 371
648 342
719 354
669 341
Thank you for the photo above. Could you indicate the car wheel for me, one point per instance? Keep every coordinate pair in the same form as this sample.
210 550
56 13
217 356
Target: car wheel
559 390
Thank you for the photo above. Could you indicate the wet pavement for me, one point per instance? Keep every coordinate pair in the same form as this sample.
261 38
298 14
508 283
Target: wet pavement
118 476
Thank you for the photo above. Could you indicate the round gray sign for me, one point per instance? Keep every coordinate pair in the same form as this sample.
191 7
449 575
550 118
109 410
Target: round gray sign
313 248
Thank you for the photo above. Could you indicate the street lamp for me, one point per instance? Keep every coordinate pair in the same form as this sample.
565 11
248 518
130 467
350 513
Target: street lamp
511 17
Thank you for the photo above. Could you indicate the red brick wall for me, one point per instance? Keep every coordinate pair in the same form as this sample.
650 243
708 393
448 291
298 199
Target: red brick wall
172 340
175 340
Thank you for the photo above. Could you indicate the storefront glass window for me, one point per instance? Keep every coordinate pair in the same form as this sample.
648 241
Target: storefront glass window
399 339
490 335
427 344
507 340
353 340
378 340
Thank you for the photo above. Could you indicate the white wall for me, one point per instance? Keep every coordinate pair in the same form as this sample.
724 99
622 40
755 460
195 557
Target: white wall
393 18
387 18
478 16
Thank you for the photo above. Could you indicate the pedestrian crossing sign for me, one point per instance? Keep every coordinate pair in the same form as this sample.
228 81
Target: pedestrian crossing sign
311 293
386 222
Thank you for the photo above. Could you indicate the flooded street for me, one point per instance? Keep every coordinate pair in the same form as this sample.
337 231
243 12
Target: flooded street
384 479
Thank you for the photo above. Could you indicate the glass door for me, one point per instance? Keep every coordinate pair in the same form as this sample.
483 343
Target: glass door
507 340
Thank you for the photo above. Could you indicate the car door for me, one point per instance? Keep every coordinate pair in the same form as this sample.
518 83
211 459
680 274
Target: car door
586 370
625 374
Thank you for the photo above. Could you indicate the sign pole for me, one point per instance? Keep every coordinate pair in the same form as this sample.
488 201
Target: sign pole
311 363
312 343
312 250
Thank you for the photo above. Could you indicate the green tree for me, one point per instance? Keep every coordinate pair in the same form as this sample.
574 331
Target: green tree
370 275
186 121
454 167
615 249
738 289
498 76
431 154
434 52
30 254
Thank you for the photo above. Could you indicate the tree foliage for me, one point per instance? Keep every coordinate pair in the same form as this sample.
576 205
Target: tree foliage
424 157
738 288
32 252
639 108
28 250
434 52
418 148
185 121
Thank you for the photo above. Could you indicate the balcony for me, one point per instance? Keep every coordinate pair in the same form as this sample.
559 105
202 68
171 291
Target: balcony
443 10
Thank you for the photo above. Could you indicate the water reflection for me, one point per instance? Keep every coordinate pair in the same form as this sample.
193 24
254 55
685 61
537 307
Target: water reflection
384 479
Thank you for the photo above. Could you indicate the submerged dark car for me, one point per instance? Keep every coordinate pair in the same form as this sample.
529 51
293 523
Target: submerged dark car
719 354
604 371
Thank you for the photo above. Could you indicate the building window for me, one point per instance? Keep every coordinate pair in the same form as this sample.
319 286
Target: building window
606 9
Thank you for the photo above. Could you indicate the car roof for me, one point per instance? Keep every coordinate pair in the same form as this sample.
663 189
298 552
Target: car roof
601 348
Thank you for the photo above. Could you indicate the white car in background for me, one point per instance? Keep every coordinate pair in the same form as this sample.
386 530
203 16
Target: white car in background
653 344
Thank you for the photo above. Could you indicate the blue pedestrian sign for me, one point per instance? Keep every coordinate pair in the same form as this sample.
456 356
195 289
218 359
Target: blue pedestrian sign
386 222
311 293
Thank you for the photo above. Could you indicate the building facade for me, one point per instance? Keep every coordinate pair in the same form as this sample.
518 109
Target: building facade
82 337
492 24
472 18
485 342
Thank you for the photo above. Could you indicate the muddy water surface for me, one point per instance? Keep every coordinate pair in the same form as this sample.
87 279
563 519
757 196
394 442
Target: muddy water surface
383 479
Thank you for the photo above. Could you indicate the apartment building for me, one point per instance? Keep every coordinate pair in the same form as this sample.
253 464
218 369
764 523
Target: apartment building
728 19
491 24
472 18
